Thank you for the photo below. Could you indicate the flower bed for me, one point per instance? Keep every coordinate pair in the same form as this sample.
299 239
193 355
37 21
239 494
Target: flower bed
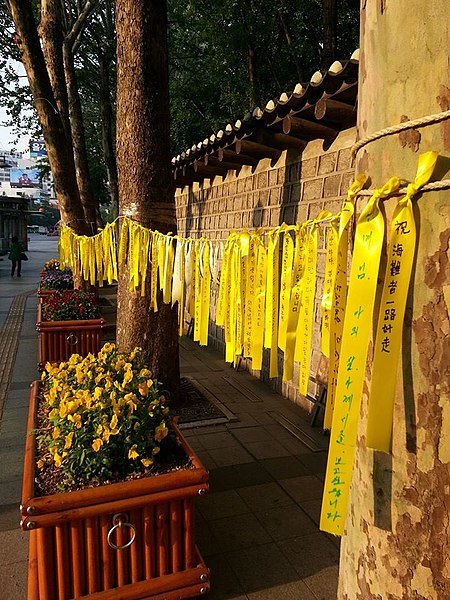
128 539
54 279
68 322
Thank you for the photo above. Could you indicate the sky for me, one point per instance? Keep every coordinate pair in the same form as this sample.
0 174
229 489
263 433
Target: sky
7 138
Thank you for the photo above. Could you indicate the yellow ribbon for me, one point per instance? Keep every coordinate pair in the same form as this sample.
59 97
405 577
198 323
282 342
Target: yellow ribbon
285 287
259 300
294 305
357 330
388 338
272 298
339 295
304 326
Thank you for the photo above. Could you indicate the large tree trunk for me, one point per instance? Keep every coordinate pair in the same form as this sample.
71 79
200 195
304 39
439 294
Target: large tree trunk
78 141
143 159
397 543
107 120
52 36
59 147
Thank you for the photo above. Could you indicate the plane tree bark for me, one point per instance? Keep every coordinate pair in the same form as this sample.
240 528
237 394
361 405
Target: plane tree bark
146 192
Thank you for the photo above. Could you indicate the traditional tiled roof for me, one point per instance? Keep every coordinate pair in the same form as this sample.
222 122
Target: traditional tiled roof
319 109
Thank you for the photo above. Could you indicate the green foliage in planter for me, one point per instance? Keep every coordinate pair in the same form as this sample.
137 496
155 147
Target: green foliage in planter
102 418
70 305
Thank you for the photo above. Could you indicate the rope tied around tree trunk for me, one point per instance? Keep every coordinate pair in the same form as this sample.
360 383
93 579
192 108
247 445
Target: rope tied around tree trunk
414 124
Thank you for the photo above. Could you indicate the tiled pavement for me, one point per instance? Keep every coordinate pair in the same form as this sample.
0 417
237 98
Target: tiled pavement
257 528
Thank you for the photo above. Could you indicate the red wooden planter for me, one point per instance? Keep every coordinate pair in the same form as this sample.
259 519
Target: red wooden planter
69 554
59 339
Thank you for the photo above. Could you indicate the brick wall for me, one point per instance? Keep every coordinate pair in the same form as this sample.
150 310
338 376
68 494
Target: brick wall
293 190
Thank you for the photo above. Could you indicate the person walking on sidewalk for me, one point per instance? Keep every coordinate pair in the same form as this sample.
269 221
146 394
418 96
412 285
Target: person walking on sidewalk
15 255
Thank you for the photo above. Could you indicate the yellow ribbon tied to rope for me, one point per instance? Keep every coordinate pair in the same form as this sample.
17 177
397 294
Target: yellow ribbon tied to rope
339 294
355 341
388 338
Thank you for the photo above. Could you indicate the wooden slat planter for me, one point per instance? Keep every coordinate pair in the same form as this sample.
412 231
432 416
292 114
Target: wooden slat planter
69 554
59 339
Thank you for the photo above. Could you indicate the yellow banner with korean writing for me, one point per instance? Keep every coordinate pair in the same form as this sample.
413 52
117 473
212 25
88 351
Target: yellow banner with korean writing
392 311
356 335
339 295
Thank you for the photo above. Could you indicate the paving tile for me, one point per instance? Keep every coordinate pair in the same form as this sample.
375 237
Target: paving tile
218 505
286 522
9 517
312 508
316 462
310 554
293 445
284 467
250 474
14 581
14 439
222 478
11 491
268 449
13 546
324 583
224 583
306 487
261 568
206 459
204 538
245 420
240 531
252 434
264 497
211 441
295 590
12 463
236 455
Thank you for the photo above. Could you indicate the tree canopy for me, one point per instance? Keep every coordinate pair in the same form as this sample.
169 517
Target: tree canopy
225 58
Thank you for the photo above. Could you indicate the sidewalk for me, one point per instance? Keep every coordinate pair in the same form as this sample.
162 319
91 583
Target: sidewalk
257 528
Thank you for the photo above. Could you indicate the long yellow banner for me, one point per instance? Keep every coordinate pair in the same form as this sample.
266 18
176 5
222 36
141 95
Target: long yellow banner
388 339
357 330
339 295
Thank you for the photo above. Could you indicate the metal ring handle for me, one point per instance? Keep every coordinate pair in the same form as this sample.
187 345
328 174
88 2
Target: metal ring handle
118 524
72 339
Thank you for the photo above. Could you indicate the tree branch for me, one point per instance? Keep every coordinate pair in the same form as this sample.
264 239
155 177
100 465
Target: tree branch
80 22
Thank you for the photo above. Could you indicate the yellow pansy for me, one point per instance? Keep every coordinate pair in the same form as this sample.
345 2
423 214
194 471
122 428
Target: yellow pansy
97 393
132 453
161 432
145 373
128 375
147 461
75 419
155 450
56 433
97 444
69 439
40 463
52 414
114 421
143 388
99 430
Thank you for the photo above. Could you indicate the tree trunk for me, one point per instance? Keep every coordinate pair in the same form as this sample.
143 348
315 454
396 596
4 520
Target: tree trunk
59 148
329 33
78 142
146 189
107 120
397 543
52 36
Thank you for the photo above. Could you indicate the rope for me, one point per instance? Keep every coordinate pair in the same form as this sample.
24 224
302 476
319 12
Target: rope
429 187
421 122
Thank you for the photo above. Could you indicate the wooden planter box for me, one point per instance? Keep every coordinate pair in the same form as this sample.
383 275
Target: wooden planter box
59 339
69 554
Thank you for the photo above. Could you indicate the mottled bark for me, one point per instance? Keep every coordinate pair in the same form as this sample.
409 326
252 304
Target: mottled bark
143 159
59 148
397 544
